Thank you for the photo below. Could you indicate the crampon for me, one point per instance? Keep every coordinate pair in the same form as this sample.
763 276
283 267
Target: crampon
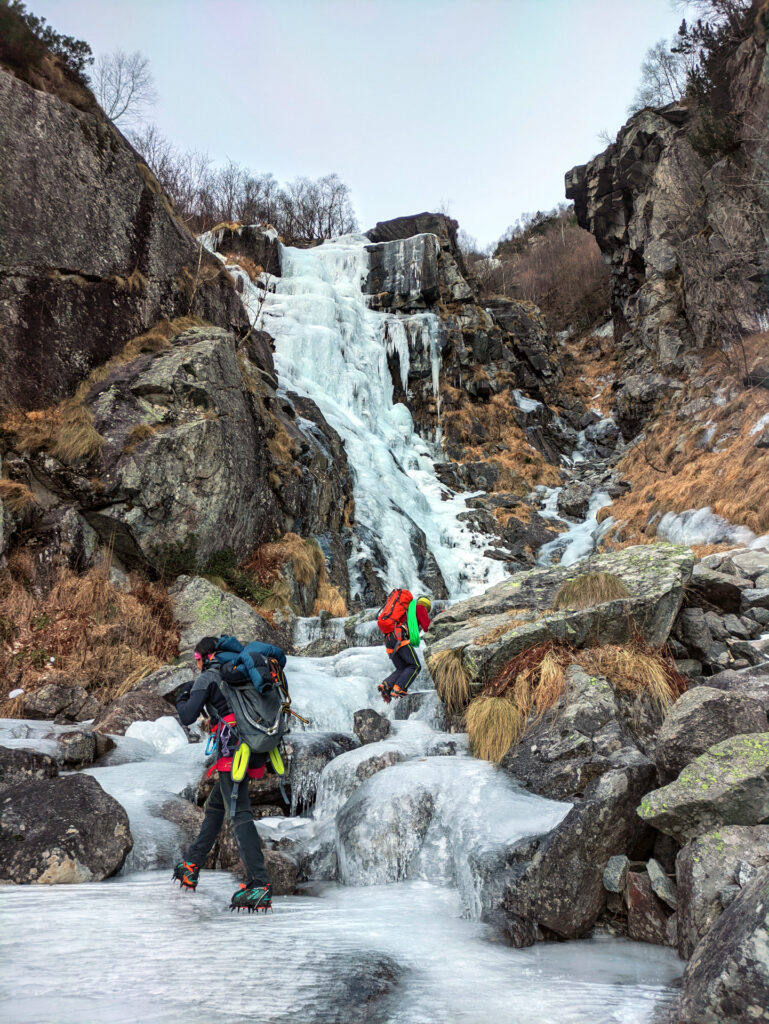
398 691
187 875
252 898
386 697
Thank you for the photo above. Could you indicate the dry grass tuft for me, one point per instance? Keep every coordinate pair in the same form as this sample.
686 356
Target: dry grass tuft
18 498
330 600
254 270
494 724
451 681
76 437
589 589
94 634
635 669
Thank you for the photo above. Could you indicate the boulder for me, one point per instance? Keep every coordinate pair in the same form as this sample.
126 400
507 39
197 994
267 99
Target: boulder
370 727
751 563
78 748
646 914
752 683
202 609
727 978
662 884
699 718
18 766
413 274
556 880
308 754
692 630
654 575
61 830
100 261
134 706
708 865
574 499
167 682
754 598
727 785
716 588
54 699
583 736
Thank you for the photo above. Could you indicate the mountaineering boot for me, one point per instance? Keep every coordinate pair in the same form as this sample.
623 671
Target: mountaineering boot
252 897
398 691
187 875
386 696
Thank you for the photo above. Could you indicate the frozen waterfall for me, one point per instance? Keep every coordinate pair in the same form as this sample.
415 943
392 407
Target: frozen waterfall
330 347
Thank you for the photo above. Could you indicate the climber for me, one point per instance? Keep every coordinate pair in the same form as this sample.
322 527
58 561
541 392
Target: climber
204 696
402 619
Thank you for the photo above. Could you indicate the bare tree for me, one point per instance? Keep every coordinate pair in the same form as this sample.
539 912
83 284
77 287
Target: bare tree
123 85
663 78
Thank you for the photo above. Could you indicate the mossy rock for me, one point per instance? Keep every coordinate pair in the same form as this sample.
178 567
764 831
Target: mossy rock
727 785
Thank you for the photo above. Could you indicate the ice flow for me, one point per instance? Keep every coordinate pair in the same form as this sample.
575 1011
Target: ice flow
332 348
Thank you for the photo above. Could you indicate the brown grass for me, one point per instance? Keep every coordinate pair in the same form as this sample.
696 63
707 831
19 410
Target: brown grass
254 270
589 589
502 443
330 600
226 225
494 724
15 496
97 634
451 681
674 469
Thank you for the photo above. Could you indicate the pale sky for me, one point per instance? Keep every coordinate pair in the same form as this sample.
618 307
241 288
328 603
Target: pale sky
482 105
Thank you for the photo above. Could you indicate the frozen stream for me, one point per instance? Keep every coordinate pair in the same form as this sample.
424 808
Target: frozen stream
138 949
410 951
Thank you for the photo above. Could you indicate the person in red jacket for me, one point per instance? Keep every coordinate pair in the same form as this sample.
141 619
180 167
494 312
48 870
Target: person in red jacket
402 654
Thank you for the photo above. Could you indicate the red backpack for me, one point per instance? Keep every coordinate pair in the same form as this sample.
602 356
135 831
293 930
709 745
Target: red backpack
394 611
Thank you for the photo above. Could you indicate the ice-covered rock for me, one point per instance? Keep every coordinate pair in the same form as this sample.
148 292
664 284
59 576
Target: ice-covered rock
164 735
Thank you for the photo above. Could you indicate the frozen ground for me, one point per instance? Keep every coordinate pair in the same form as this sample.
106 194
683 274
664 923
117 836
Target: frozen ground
139 949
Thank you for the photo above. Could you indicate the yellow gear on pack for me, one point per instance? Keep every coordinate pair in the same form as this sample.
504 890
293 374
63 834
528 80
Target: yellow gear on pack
240 762
277 761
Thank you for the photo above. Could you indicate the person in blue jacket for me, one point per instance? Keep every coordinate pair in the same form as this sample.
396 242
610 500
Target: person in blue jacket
203 696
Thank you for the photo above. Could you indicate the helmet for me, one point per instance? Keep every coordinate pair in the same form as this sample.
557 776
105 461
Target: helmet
425 602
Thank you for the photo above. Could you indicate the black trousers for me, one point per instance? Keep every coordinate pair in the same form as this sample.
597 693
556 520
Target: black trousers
407 667
246 836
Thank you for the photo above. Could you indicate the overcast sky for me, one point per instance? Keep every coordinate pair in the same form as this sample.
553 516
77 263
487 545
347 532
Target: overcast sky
481 105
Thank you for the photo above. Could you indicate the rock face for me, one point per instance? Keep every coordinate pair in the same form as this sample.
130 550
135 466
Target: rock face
257 244
706 868
727 785
699 718
727 979
653 574
413 273
61 830
682 237
101 260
